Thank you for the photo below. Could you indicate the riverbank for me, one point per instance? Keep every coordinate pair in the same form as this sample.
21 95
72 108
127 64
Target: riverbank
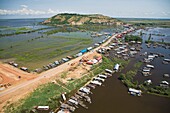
112 96
50 93
13 93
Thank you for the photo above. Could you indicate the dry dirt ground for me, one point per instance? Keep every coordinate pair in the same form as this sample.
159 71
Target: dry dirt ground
9 75
22 87
28 82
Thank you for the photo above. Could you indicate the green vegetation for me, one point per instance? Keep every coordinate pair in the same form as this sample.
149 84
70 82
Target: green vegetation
127 79
50 93
129 38
156 42
95 27
61 29
78 19
43 50
52 47
149 39
165 23
63 75
4 26
108 64
158 90
81 22
45 94
138 65
22 30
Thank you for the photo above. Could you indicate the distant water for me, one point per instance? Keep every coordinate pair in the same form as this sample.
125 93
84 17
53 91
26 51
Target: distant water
8 26
165 32
157 34
141 19
20 22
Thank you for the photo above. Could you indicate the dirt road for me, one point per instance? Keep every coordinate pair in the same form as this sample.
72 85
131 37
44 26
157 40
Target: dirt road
18 91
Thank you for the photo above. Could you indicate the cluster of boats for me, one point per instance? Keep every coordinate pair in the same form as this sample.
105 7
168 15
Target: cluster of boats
121 50
82 95
157 45
147 69
17 66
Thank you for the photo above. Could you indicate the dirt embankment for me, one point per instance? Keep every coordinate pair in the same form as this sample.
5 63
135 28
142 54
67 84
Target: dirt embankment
28 84
10 75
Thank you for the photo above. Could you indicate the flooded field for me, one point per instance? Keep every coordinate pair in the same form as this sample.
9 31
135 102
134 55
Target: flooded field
12 25
157 34
28 48
159 68
79 34
113 96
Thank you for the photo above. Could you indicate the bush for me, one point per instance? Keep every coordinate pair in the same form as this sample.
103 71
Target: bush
128 83
129 38
122 77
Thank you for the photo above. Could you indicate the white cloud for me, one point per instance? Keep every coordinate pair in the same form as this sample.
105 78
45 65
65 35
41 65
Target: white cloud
24 6
26 11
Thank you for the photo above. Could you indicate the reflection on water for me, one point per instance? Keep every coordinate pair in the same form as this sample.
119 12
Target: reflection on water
157 34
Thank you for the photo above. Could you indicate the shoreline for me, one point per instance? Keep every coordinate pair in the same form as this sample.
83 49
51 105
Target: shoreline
42 76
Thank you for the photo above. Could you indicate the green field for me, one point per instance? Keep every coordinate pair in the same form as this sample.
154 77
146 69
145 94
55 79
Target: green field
11 31
151 23
41 47
36 51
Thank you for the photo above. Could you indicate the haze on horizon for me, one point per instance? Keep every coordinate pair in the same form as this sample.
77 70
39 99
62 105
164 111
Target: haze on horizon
113 8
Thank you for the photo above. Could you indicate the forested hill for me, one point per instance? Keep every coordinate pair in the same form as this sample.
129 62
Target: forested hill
79 19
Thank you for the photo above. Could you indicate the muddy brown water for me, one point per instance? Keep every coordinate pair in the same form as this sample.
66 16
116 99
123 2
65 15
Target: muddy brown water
113 96
159 67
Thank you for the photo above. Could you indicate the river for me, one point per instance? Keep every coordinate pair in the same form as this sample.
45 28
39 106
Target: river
113 96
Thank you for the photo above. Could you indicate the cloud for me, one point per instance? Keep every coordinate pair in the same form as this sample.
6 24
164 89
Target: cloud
24 6
26 11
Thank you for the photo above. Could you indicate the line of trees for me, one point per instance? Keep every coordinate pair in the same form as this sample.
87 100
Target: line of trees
129 38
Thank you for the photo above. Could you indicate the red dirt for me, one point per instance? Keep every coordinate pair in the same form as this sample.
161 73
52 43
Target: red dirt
28 82
10 75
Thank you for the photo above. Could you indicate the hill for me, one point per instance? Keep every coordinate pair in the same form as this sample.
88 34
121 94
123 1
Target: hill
79 19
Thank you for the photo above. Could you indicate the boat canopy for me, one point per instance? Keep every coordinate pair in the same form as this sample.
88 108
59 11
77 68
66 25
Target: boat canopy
84 89
116 67
134 90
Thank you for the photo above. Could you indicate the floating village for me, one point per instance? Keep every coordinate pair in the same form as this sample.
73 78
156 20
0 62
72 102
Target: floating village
120 49
126 45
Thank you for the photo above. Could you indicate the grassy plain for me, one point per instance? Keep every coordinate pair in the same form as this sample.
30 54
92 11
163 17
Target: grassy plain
37 52
34 49
151 23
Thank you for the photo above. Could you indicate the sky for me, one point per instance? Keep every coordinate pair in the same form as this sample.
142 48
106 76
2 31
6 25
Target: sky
113 8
